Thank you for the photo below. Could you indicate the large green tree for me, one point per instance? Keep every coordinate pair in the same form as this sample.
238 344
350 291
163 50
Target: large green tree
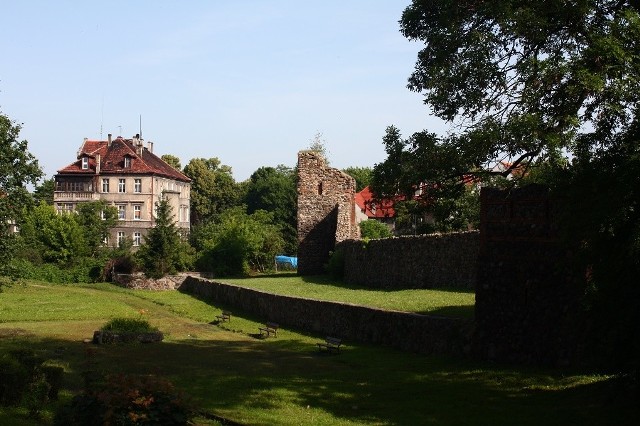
362 175
18 168
213 189
96 218
524 82
163 251
274 190
238 242
550 90
48 236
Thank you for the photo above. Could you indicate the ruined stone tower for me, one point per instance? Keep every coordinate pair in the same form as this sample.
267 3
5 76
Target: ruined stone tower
326 211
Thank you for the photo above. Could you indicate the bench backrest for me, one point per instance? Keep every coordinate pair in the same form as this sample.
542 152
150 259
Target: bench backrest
272 325
333 341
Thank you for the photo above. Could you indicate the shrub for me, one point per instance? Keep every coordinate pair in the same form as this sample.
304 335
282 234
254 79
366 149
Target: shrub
14 378
129 325
335 267
37 395
373 229
128 400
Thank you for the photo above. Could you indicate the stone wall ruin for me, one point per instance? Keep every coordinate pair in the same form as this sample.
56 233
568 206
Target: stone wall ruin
326 211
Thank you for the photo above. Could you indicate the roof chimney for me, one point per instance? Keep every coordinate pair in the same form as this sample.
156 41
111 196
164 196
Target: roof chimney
109 140
150 146
98 163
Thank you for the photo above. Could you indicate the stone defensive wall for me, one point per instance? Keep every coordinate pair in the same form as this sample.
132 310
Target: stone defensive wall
423 261
406 331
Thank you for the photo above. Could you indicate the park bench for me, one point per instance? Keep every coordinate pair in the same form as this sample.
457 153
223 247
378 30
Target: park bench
330 344
224 316
268 329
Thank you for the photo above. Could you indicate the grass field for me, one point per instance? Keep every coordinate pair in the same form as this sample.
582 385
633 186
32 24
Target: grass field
458 303
284 380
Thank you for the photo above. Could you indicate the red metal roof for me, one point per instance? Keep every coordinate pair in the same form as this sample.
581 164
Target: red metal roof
112 160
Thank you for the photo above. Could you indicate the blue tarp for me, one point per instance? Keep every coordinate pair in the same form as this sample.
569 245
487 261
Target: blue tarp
287 260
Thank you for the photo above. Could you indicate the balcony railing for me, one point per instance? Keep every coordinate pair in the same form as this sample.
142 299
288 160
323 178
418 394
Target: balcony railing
74 196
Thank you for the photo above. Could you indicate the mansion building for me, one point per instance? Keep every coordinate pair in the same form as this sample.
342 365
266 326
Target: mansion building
129 176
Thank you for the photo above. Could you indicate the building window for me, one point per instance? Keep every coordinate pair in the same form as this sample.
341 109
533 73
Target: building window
122 212
137 239
105 185
120 238
64 208
127 162
85 163
137 212
137 186
121 185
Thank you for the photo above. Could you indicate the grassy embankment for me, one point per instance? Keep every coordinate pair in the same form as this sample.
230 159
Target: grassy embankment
284 380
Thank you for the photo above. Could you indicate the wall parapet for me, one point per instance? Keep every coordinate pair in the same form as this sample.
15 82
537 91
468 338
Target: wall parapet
401 330
423 261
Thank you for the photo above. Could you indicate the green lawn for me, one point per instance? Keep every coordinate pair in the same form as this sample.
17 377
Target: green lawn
457 303
284 380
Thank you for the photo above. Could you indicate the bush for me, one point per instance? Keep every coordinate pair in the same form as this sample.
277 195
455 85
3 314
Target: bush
84 271
335 267
127 400
14 379
373 229
129 325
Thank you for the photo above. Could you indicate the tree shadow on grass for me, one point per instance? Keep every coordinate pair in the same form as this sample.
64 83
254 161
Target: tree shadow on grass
252 381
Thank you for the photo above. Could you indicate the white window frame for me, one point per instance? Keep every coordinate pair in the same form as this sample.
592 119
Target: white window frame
105 185
85 163
127 162
137 186
121 238
122 186
137 238
122 211
137 212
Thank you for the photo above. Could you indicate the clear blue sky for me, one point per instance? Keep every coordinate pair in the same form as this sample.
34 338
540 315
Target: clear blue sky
250 82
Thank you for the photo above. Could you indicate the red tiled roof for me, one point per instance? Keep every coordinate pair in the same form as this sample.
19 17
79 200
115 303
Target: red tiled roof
374 208
112 159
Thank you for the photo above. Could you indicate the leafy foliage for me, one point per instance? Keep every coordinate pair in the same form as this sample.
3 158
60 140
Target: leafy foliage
163 252
128 325
17 169
372 229
538 91
213 189
238 243
55 238
128 400
44 192
96 218
274 190
173 161
362 175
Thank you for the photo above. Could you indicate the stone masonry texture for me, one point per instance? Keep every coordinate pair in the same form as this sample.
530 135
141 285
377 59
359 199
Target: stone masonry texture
326 211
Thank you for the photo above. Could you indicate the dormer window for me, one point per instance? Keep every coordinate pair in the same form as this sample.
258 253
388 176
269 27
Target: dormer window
127 162
85 163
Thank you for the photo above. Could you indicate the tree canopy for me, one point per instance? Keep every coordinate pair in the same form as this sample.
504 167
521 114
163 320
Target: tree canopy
523 83
18 168
213 188
362 175
274 190
549 90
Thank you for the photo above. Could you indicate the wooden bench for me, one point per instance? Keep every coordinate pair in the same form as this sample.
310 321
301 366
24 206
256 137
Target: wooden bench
224 316
269 329
330 344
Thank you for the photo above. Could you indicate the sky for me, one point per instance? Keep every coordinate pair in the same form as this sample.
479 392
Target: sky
249 82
